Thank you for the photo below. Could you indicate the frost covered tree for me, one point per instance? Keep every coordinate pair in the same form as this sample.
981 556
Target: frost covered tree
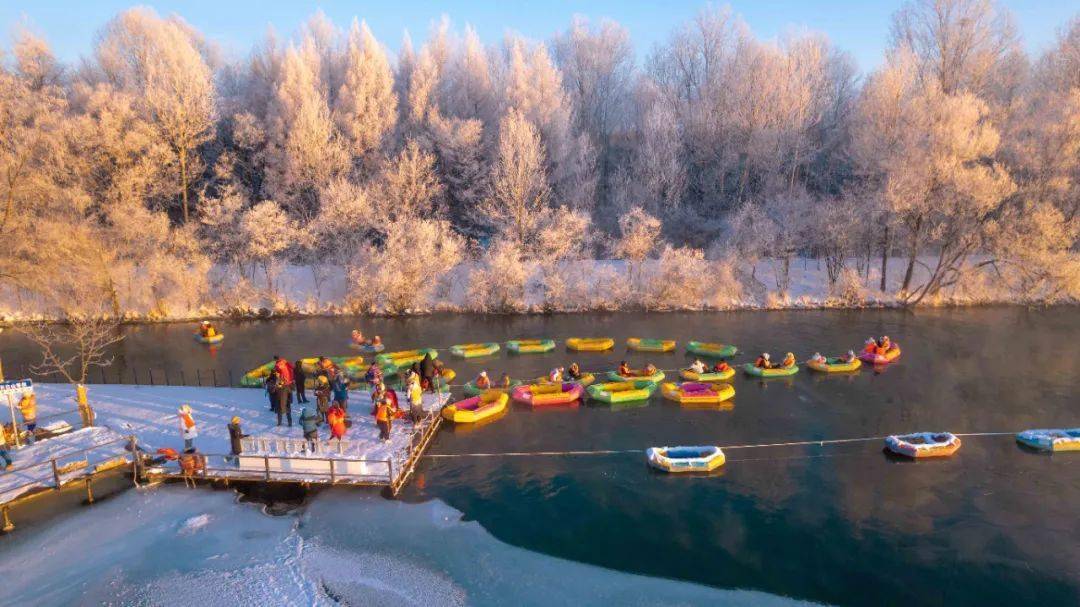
162 63
267 233
519 189
365 109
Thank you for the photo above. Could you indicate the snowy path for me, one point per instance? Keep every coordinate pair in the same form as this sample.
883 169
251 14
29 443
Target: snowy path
32 470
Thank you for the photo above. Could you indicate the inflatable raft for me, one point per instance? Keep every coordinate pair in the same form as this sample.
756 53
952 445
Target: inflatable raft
753 371
655 378
1053 440
712 350
708 376
471 389
923 444
213 339
474 350
622 391
650 345
367 348
403 358
590 344
697 393
685 459
585 380
876 359
477 408
834 365
530 346
539 395
351 366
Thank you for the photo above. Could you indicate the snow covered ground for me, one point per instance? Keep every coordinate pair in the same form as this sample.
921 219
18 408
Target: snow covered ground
150 413
32 470
171 546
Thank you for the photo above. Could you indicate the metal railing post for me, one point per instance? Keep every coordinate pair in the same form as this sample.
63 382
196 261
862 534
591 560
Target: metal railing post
198 377
332 477
151 373
56 473
266 466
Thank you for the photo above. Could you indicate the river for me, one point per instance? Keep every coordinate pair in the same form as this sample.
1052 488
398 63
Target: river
844 524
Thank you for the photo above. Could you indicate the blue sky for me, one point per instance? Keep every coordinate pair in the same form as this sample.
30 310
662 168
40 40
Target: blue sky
858 27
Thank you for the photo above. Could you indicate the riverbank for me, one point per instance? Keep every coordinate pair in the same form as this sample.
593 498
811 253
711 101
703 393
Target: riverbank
580 286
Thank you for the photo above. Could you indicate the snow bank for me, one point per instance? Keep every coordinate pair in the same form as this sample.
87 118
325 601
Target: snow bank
141 547
586 285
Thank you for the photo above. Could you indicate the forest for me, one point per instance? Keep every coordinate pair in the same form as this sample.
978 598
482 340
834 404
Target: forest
160 178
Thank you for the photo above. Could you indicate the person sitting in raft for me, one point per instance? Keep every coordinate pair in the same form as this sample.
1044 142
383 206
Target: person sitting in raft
483 381
850 358
885 343
818 358
720 367
698 367
358 337
555 376
882 347
870 347
574 372
624 369
376 341
789 360
504 381
206 329
650 369
762 361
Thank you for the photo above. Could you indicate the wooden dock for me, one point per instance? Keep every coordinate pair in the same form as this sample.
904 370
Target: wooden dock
296 460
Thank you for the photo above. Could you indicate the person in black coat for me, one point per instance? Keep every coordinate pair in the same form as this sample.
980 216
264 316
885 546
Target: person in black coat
235 434
427 371
300 377
271 385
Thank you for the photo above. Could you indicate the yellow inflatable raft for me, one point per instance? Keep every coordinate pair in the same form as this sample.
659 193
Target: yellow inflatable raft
650 345
697 393
834 365
590 344
477 408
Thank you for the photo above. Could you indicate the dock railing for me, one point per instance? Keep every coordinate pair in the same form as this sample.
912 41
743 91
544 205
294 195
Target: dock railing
63 467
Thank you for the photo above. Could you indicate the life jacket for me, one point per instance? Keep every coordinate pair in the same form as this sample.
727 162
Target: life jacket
880 350
761 363
870 348
382 412
789 361
483 382
285 371
721 367
28 407
505 381
625 370
187 421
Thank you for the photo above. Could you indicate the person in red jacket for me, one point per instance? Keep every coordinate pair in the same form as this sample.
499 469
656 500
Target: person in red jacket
336 418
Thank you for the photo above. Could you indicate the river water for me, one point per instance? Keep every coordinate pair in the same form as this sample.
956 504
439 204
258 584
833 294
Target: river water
843 524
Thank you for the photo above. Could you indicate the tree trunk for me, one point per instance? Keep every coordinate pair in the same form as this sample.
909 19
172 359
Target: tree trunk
182 165
913 253
885 260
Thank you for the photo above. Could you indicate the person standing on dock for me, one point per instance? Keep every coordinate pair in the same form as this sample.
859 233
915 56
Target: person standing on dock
283 400
28 408
341 391
309 422
188 429
287 375
416 400
4 450
235 434
384 414
336 419
300 377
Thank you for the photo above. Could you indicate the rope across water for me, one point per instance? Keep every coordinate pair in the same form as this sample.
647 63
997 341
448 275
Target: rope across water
820 443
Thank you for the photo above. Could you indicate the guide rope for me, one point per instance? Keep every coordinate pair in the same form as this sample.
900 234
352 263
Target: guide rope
820 443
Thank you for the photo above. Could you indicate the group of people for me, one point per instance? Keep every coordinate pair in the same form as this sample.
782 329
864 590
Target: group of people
763 361
877 346
359 339
207 330
626 371
28 410
384 402
847 358
483 381
700 367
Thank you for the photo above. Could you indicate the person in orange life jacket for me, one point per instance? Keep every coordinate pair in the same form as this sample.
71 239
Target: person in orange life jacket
650 369
504 381
762 361
376 341
482 381
335 417
188 429
789 360
206 329
624 369
721 366
28 408
870 347
574 372
358 337
384 415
